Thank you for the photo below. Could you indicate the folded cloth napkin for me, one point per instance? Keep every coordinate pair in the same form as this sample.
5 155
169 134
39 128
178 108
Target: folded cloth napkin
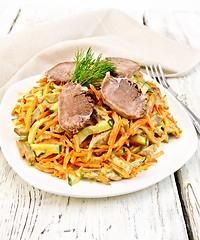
109 31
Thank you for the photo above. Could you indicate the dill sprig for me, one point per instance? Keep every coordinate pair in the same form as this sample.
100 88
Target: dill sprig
89 70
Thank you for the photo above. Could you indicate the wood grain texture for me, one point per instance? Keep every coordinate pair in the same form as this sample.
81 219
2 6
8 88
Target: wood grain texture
182 27
153 213
28 213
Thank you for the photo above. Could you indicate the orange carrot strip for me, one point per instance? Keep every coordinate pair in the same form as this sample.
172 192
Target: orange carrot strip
21 151
51 123
140 74
103 179
150 159
149 121
150 135
115 130
158 154
29 112
133 129
42 115
172 119
76 143
114 133
73 159
119 170
81 154
60 168
89 165
50 141
145 167
128 154
98 96
157 109
89 155
50 159
151 83
67 157
44 169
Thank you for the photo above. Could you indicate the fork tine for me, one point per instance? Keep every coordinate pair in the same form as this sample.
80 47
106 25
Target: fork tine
165 83
152 72
157 74
147 70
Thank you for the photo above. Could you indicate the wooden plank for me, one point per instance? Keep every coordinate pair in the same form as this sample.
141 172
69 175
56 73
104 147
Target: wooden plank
182 26
28 213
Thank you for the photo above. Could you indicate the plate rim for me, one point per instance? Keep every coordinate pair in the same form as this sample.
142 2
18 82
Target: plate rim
68 194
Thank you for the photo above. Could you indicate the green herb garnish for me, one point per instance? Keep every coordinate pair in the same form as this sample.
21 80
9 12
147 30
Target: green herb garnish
89 70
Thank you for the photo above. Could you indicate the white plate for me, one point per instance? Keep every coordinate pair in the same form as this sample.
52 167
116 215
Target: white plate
177 153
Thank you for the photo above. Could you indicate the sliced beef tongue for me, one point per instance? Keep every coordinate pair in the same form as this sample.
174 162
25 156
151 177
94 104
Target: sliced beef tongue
125 67
75 107
61 73
123 96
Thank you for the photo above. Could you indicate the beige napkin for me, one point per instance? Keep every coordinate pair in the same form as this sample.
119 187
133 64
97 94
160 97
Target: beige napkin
110 32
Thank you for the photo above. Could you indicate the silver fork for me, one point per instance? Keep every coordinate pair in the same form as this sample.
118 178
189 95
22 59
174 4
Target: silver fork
156 72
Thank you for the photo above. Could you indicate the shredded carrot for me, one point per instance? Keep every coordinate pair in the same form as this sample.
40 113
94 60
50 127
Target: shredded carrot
149 121
120 170
150 135
157 109
89 155
42 82
89 165
141 75
133 129
42 115
151 83
21 151
76 143
151 159
15 110
73 156
51 123
29 112
158 154
50 159
103 179
172 119
67 157
128 152
114 133
144 167
60 168
44 168
98 96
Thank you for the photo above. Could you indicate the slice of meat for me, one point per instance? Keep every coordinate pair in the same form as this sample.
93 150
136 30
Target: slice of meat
62 72
123 96
75 107
125 67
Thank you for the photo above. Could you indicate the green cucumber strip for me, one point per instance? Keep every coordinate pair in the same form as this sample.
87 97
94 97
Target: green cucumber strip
145 87
14 121
53 148
140 140
139 162
73 179
101 126
34 129
165 100
54 107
